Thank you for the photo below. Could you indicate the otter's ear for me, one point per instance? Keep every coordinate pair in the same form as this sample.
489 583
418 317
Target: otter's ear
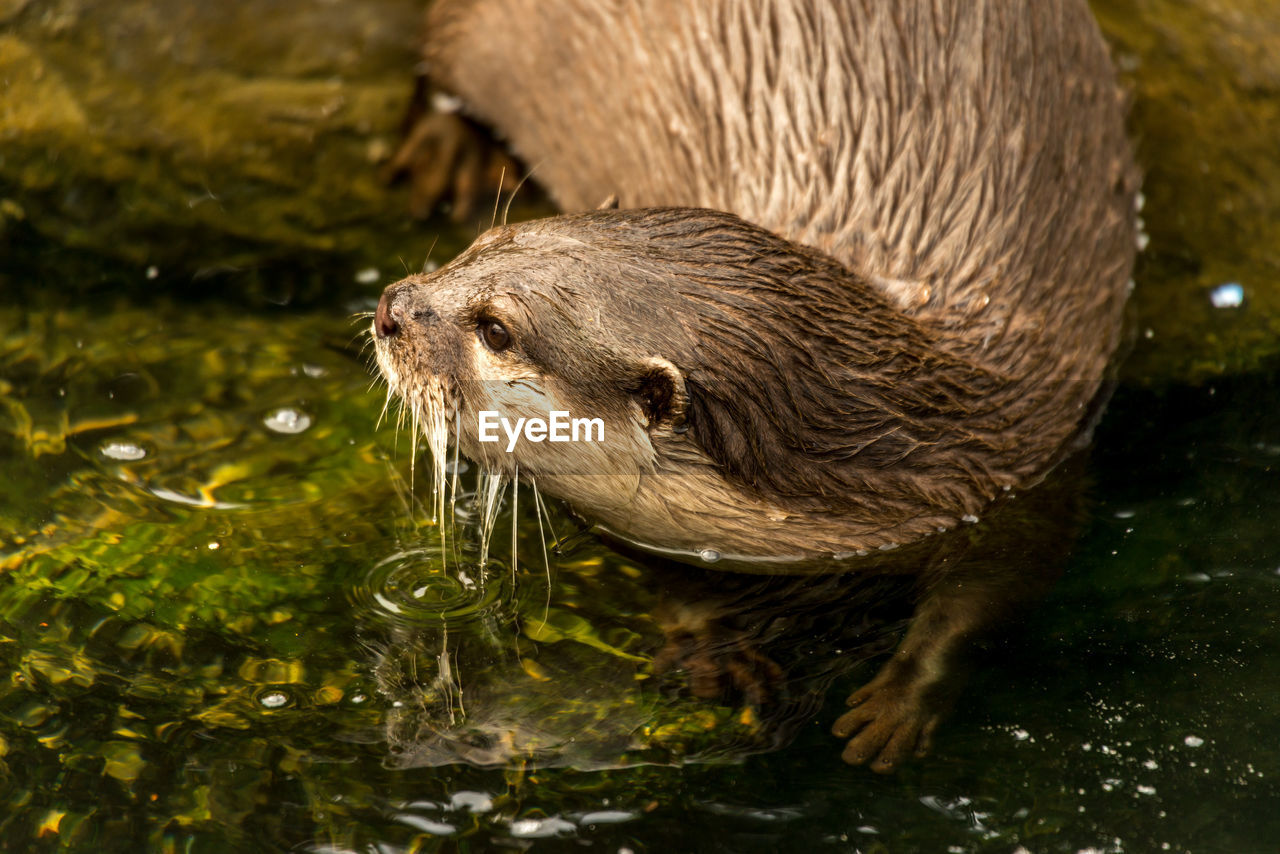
658 388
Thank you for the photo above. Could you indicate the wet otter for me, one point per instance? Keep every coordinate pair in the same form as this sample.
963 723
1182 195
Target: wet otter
867 271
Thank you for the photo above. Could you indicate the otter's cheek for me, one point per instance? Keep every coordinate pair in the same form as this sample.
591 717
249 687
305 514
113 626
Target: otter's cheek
494 414
426 352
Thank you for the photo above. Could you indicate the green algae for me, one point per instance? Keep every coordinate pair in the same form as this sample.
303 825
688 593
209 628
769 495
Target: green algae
185 591
187 137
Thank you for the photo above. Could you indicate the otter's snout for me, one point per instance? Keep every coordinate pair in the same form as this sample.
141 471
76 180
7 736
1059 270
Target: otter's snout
383 322
398 304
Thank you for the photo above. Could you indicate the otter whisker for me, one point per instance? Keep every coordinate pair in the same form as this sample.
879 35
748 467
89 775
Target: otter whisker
539 509
493 220
440 451
404 494
413 443
430 420
506 211
367 335
401 409
492 483
543 510
515 512
453 484
426 262
386 405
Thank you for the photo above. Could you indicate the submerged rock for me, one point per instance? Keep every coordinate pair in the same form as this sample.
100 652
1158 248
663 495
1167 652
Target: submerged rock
196 136
1205 79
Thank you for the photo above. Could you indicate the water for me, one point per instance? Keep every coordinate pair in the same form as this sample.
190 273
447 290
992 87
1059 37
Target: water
228 623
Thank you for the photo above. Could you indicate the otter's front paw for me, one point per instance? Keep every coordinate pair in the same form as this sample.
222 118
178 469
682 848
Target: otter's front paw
892 718
448 157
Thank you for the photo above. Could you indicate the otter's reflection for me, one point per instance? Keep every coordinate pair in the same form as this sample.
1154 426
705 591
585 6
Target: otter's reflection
616 659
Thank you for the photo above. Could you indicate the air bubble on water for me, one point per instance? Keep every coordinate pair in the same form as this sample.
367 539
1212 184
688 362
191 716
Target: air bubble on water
123 451
534 828
1229 295
367 276
709 555
287 420
471 801
426 825
607 817
274 700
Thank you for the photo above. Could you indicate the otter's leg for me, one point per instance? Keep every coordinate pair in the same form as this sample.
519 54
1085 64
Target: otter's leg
448 157
895 715
716 657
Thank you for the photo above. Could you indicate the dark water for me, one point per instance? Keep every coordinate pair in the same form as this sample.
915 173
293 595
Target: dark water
227 622
239 639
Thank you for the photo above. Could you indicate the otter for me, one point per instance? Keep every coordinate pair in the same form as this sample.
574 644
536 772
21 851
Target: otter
865 273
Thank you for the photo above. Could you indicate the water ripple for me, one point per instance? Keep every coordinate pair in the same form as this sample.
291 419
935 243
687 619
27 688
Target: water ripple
419 586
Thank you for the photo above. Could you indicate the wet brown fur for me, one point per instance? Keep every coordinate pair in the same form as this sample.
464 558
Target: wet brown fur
868 270
944 197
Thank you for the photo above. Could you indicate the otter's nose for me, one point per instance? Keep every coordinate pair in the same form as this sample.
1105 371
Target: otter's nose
383 322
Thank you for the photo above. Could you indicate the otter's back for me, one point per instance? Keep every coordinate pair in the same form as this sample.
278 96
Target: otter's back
968 158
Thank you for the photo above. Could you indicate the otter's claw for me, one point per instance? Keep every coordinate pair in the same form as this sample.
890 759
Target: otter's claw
892 718
448 157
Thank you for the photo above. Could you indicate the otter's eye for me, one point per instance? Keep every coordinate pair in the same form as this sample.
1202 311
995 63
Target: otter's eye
494 335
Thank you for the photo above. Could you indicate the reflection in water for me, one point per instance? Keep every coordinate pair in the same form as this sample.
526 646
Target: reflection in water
615 661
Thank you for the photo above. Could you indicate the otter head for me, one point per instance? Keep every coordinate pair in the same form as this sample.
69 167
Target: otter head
538 352
742 382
